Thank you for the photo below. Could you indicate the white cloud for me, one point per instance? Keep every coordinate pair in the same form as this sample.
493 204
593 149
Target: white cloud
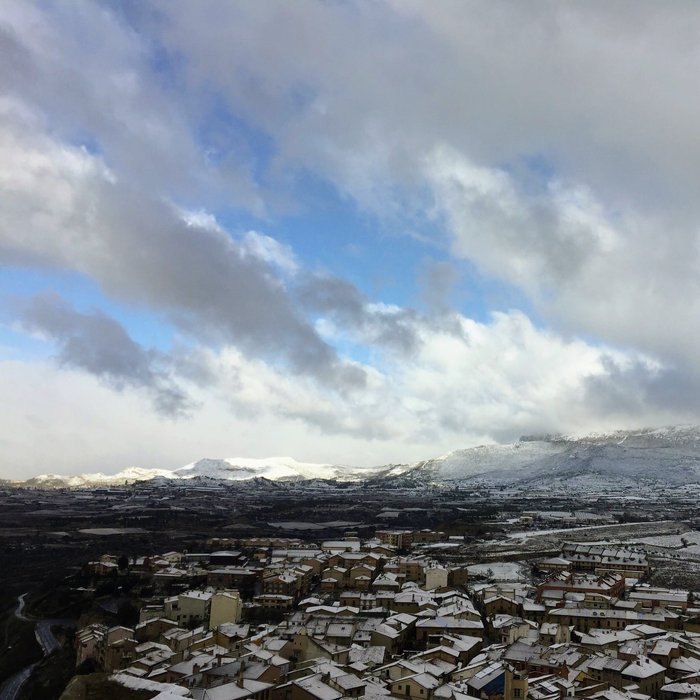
494 380
97 81
429 384
605 92
613 275
270 251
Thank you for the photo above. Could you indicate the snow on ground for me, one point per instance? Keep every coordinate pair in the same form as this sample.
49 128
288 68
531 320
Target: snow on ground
237 468
126 476
296 525
134 683
526 534
231 469
609 464
691 537
573 531
500 570
487 458
299 525
111 531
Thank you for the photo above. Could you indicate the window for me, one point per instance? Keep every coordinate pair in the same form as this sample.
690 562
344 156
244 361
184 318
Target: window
517 692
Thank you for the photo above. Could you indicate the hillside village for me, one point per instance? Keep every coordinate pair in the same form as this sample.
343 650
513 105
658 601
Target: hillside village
394 616
164 565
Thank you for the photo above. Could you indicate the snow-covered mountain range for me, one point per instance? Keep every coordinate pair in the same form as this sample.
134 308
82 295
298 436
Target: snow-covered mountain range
667 455
231 469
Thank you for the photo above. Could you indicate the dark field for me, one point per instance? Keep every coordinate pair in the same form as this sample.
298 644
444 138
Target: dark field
47 537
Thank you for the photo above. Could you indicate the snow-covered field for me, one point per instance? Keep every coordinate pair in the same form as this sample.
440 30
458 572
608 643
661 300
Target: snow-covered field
500 570
691 537
111 531
299 525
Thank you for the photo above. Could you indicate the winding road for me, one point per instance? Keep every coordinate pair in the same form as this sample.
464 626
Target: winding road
47 641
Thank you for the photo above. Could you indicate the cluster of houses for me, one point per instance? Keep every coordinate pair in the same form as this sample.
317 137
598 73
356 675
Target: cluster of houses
360 620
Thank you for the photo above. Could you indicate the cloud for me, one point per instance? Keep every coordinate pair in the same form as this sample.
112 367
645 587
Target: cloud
536 242
99 345
86 426
549 147
629 390
561 163
500 378
270 251
389 327
450 395
463 382
613 275
118 103
61 207
603 92
437 379
438 282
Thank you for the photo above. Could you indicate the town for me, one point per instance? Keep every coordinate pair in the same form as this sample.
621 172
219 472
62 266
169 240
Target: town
487 597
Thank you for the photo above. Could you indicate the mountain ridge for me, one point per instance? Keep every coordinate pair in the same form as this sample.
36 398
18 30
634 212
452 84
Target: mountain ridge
670 455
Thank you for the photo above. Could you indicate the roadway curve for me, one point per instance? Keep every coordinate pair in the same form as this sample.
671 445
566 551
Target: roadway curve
47 641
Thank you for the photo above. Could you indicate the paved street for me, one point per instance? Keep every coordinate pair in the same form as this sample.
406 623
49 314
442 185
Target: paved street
47 641
46 637
12 685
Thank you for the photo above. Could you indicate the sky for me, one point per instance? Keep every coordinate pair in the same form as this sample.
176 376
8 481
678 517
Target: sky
349 232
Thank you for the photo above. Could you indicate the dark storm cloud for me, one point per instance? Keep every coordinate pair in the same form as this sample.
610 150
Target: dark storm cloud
210 287
437 281
100 345
392 328
635 389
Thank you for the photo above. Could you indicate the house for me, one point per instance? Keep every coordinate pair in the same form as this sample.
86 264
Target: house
416 686
189 608
225 606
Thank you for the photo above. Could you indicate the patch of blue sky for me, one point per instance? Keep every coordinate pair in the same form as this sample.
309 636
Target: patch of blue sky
16 344
329 232
387 260
477 296
143 19
384 260
353 350
532 173
222 135
83 139
541 164
19 284
167 65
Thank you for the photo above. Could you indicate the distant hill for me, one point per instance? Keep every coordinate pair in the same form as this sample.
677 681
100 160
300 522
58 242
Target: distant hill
667 455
